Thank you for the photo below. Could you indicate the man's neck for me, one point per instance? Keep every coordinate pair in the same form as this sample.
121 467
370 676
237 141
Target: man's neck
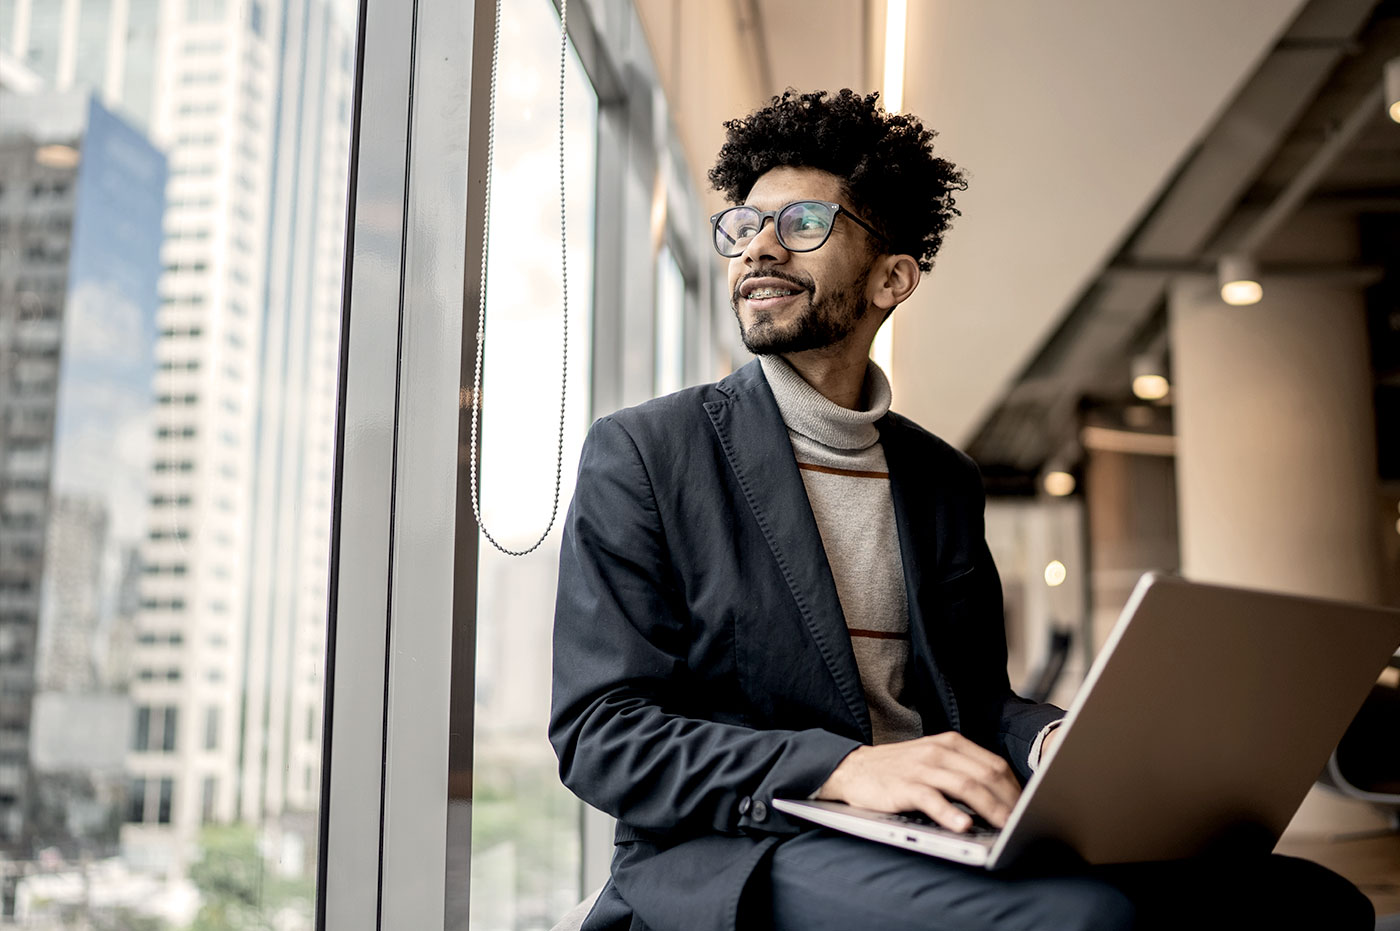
838 373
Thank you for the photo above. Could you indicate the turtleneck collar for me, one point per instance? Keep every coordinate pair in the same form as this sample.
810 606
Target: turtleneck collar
807 411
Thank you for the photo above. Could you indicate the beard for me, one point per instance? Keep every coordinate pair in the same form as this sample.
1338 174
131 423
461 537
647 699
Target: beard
821 323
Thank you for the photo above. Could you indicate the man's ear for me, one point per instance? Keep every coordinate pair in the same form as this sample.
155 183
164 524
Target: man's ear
892 280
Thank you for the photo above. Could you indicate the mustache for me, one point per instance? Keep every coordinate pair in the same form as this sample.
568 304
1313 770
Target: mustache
768 273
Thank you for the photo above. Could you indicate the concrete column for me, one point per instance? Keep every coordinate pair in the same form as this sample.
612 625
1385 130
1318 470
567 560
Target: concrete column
1276 459
1131 503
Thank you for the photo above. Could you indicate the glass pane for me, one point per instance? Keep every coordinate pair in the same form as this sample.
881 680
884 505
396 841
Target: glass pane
525 825
173 183
670 323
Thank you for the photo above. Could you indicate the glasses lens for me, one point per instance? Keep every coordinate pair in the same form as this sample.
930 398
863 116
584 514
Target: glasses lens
734 228
805 225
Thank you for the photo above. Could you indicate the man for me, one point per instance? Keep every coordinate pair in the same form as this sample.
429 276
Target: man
773 586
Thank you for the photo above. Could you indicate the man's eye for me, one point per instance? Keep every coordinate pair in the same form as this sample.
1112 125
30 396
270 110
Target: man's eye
747 231
811 223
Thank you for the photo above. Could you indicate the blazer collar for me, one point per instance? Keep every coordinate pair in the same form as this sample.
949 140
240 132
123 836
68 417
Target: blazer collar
755 441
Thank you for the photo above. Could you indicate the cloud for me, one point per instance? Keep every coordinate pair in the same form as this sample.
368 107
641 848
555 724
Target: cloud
102 325
108 459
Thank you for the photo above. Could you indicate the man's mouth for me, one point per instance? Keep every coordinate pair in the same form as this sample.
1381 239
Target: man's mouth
768 291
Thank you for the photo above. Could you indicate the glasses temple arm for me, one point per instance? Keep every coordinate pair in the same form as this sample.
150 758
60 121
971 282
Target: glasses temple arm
866 226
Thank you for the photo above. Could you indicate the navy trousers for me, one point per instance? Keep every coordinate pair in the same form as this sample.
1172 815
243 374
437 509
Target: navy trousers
825 881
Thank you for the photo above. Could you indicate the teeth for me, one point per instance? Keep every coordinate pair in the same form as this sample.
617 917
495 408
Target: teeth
759 293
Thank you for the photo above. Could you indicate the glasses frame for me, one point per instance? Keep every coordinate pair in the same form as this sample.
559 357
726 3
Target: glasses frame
764 216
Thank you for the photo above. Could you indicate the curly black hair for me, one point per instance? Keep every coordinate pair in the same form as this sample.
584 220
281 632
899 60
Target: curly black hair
885 159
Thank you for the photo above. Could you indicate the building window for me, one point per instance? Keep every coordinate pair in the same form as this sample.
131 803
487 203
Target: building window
167 795
136 801
141 739
169 729
669 367
211 727
206 800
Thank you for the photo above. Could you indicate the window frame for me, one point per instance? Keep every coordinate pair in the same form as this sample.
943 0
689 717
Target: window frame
400 669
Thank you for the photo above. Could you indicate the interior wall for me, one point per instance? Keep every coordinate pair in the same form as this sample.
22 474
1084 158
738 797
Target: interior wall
707 68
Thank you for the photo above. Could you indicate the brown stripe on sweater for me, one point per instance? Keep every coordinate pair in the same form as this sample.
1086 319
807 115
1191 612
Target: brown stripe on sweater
877 634
852 473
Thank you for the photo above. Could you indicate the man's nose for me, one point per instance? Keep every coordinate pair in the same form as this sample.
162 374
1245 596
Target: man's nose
764 246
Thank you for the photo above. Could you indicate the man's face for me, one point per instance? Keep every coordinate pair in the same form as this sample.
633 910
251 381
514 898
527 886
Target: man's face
828 286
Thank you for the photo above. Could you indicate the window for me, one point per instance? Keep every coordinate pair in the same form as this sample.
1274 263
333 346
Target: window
207 798
170 726
670 323
527 827
523 821
189 264
136 800
141 734
167 798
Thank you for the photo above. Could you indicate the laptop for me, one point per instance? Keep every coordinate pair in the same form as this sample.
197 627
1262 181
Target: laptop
1206 717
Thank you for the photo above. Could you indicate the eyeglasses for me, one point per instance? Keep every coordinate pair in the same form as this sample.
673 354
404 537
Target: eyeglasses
802 226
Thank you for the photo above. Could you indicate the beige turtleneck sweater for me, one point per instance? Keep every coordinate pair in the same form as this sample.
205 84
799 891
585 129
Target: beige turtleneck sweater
848 484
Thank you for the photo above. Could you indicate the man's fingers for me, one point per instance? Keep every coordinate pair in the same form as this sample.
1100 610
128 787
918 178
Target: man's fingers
924 774
971 792
943 812
995 775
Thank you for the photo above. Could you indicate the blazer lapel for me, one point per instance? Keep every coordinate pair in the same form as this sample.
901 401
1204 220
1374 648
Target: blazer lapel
755 441
920 539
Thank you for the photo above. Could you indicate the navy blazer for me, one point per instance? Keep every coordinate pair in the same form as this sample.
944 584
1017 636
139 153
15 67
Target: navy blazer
701 661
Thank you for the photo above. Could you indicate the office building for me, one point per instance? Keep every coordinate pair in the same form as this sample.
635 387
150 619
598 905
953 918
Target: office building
81 198
280 731
231 640
106 46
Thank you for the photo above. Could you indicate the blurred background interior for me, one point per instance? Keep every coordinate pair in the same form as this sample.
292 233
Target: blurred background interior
257 666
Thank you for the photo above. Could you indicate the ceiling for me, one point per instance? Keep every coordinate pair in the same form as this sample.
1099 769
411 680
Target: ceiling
1318 73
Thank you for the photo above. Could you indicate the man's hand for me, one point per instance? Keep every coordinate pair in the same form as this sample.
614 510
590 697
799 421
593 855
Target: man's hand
922 775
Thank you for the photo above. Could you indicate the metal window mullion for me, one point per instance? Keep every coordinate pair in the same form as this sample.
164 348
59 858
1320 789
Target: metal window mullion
425 508
357 668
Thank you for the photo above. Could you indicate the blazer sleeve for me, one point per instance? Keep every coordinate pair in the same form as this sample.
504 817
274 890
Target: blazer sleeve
628 738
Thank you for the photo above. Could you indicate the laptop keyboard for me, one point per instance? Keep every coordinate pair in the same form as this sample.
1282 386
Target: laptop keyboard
981 827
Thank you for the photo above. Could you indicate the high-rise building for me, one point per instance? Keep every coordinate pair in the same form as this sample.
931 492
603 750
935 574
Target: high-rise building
105 46
255 106
81 198
295 444
215 110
